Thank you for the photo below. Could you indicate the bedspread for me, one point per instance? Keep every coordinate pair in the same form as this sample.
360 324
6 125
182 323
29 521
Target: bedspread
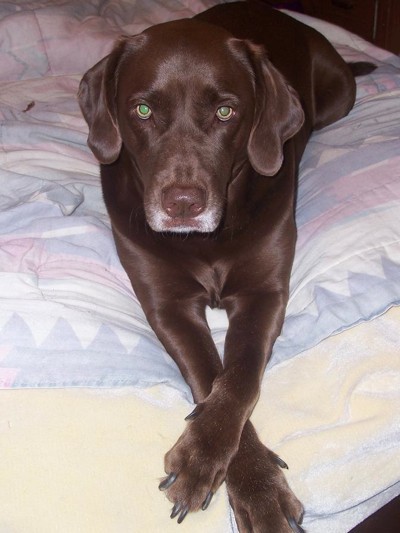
69 317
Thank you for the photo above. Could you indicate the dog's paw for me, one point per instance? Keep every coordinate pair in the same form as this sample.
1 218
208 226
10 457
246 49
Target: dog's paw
260 495
198 462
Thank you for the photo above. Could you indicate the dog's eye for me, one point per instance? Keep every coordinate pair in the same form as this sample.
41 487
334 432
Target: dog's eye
224 113
143 111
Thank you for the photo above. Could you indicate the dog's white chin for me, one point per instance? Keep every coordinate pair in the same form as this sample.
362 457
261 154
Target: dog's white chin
205 223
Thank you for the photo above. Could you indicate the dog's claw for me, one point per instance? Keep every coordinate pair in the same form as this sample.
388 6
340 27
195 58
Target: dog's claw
175 510
281 462
193 414
168 481
295 526
207 501
183 514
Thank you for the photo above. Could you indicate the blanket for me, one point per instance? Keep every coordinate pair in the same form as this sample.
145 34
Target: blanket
89 460
68 316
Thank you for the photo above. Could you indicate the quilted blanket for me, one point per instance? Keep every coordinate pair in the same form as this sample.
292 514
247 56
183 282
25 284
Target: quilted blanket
68 316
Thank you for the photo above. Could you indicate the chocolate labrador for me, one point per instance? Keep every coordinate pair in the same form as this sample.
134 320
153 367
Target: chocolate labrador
199 126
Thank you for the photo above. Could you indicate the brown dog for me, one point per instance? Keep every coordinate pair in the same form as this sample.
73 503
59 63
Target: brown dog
200 135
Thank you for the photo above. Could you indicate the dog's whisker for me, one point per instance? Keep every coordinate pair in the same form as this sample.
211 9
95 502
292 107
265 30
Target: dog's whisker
130 219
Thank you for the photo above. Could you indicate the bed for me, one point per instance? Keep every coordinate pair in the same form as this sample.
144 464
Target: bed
90 401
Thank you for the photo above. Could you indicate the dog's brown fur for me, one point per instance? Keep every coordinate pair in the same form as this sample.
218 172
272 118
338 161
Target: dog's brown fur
202 211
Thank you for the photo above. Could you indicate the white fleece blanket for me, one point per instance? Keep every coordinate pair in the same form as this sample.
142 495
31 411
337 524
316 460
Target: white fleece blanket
83 461
68 316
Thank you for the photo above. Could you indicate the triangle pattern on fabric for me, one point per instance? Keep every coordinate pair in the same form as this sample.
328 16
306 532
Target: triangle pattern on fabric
324 297
360 282
62 337
108 341
390 268
16 331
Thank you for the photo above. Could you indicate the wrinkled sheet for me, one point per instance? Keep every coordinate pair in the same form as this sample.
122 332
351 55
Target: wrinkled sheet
68 316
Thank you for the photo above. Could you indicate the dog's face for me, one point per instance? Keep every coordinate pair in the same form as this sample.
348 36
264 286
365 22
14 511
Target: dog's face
191 105
183 113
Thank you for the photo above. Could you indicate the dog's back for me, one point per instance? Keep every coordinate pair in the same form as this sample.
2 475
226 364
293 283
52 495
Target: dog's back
308 61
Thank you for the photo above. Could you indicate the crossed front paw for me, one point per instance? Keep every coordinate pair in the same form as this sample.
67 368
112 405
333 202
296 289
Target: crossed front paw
209 452
197 464
260 495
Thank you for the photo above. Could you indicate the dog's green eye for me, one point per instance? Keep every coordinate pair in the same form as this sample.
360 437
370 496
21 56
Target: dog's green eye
224 112
143 111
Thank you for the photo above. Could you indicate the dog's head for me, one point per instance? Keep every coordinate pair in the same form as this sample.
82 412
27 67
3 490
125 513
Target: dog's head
191 105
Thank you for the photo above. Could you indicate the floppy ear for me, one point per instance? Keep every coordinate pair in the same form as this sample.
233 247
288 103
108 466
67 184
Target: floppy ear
278 115
96 97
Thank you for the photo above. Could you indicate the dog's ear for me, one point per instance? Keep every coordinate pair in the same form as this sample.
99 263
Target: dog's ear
96 97
278 114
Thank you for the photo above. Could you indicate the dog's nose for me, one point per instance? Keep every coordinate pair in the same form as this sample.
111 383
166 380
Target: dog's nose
183 202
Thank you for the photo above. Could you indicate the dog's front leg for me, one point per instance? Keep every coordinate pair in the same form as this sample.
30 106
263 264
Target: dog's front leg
257 488
258 491
219 442
197 464
174 303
